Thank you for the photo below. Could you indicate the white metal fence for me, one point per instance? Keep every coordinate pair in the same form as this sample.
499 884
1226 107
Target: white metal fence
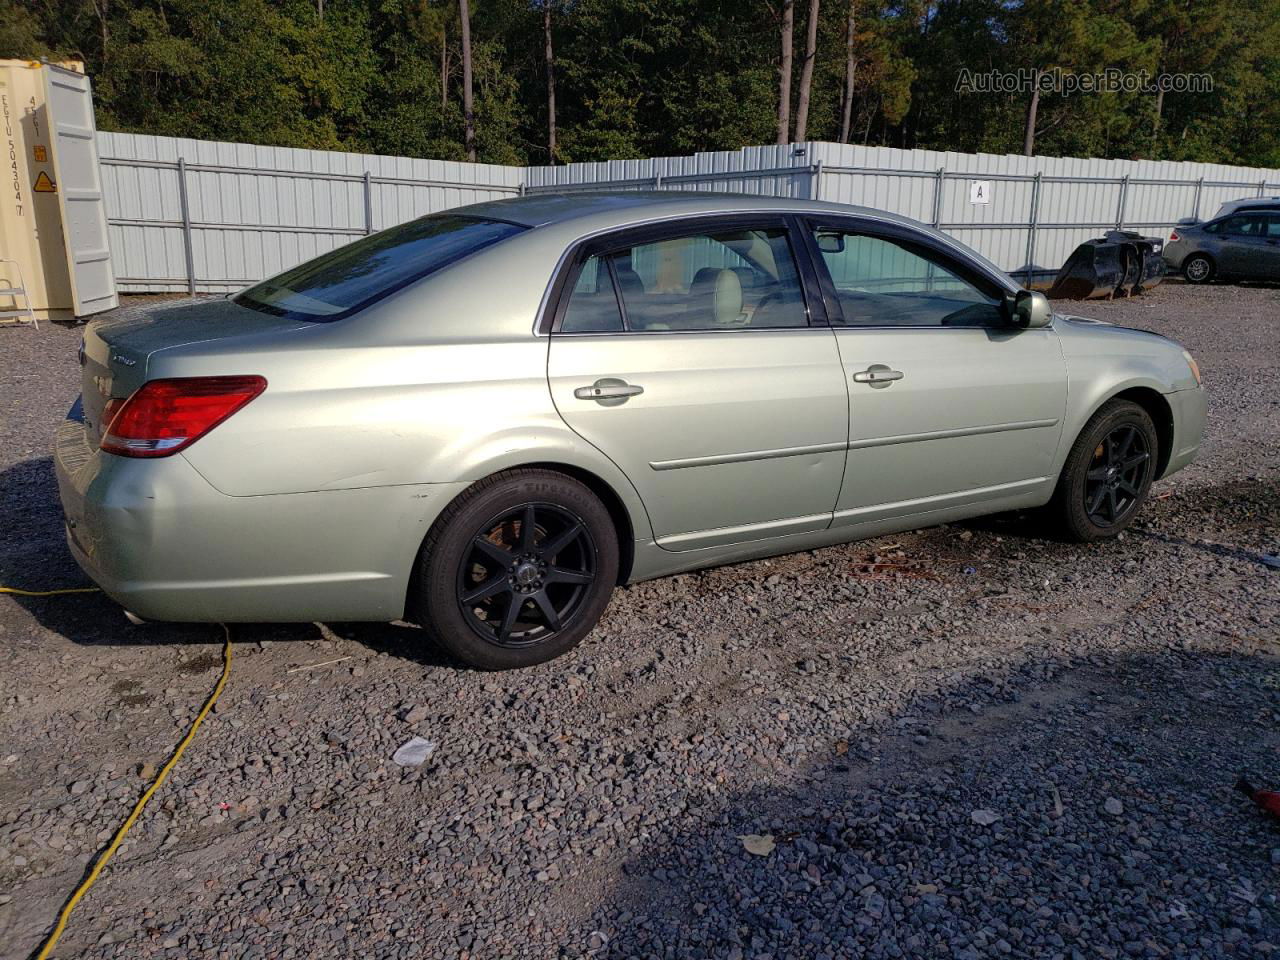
1039 208
190 215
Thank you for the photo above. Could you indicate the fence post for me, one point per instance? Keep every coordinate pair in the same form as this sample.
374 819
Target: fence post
1124 189
186 227
815 182
657 180
1032 219
1195 214
939 179
1262 187
368 203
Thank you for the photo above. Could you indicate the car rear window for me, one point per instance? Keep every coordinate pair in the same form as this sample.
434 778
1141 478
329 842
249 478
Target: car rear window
344 281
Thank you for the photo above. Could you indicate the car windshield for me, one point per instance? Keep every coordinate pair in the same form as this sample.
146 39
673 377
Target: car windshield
338 283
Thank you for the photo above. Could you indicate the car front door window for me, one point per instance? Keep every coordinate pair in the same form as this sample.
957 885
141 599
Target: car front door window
882 281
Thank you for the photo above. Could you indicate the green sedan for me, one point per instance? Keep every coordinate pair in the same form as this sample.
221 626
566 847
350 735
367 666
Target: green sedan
486 419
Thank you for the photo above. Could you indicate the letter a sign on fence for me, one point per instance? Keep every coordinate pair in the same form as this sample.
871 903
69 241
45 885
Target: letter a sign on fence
979 191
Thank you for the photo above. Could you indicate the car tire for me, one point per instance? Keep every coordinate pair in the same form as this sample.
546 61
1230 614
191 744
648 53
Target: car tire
1198 269
496 598
1107 475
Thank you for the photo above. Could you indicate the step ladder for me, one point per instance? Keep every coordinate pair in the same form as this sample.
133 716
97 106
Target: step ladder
15 315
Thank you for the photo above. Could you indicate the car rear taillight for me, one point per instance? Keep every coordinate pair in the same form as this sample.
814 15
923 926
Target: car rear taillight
164 416
109 411
1173 236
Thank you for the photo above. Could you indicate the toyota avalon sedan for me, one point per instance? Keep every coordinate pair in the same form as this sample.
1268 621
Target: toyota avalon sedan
486 419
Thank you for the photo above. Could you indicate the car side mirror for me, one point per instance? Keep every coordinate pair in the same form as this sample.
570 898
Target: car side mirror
830 242
1031 309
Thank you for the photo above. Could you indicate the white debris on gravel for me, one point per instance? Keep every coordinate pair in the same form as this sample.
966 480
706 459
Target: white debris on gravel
414 752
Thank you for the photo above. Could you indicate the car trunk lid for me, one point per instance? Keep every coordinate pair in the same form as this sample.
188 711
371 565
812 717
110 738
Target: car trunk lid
116 352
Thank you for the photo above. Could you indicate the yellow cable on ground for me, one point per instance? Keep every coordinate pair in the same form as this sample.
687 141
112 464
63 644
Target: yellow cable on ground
106 855
47 593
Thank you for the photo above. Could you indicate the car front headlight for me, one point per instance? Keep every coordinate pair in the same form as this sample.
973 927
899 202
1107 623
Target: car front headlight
1195 367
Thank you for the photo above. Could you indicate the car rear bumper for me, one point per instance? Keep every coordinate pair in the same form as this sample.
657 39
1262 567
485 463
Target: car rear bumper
160 540
1174 253
1189 409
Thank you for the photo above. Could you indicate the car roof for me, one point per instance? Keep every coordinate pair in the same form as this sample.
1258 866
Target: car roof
575 214
628 207
1245 204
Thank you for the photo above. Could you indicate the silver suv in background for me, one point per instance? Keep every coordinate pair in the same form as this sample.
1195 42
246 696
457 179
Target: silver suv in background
1247 203
1244 245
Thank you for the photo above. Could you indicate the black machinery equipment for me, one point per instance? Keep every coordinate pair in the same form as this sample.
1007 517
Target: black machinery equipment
1117 264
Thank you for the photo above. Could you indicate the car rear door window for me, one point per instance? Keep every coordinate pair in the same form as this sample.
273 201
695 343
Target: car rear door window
716 280
887 282
593 304
1255 225
344 281
1251 225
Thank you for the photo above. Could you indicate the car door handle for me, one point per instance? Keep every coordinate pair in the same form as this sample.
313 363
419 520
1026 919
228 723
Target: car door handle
878 375
609 391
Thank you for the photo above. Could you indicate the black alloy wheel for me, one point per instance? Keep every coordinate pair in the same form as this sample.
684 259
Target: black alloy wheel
517 569
1107 473
1117 476
526 574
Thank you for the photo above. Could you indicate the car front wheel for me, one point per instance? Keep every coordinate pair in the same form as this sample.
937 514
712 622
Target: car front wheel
1107 474
517 570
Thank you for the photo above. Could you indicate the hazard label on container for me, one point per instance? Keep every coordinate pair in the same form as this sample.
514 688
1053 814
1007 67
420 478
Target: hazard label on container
41 153
43 184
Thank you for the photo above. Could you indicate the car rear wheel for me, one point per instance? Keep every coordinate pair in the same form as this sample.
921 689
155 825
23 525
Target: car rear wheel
517 570
1107 474
1198 269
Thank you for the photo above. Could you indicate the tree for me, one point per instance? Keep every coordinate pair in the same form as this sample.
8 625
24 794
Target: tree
444 66
20 32
784 72
806 72
850 67
468 106
634 78
1048 36
1033 109
551 82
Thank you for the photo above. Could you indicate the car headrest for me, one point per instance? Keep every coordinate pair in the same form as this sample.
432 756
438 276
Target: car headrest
629 281
723 288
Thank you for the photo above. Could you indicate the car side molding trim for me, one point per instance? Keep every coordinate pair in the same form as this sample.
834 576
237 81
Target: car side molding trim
720 536
746 456
923 504
749 455
946 434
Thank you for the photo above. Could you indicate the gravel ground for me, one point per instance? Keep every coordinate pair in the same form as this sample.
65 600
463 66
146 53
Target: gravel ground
1002 746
